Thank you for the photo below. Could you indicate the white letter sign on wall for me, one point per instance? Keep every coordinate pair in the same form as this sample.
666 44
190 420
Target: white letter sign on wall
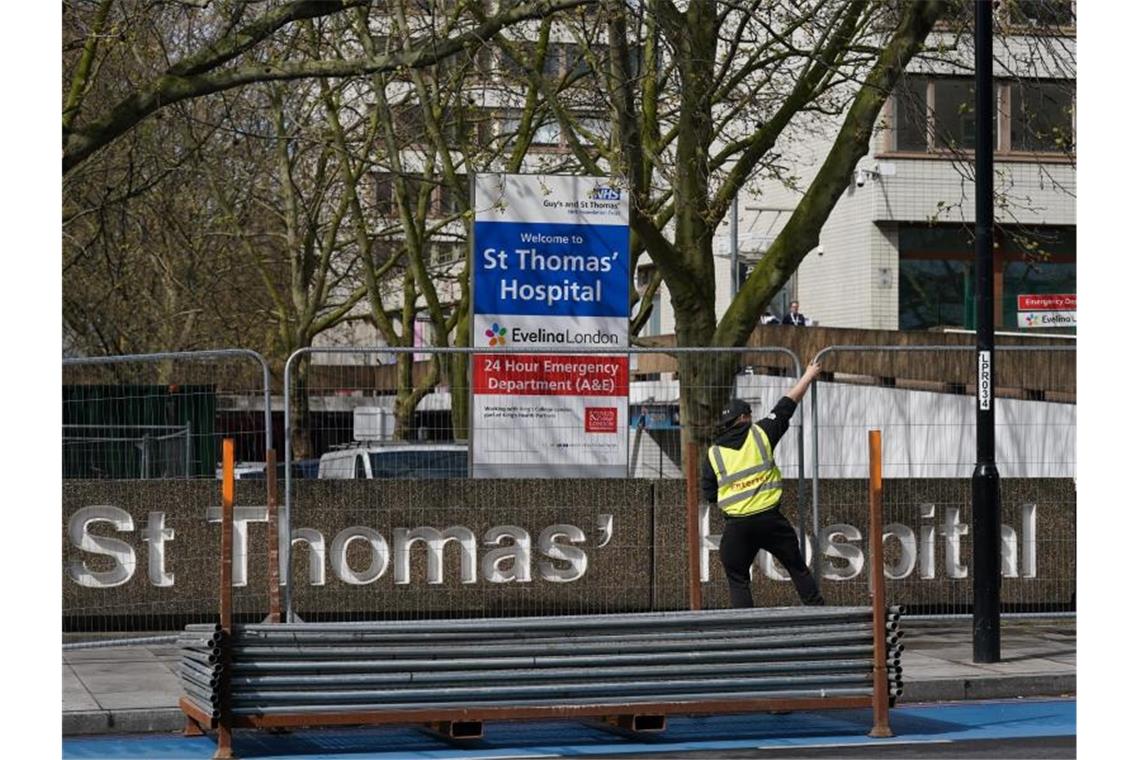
120 552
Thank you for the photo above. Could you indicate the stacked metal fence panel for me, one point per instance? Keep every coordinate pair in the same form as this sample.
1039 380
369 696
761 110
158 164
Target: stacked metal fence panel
622 660
201 667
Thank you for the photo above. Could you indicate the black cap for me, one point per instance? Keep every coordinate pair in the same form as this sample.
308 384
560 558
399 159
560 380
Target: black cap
735 408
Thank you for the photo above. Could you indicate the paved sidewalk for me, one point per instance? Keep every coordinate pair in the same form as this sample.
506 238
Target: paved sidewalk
135 689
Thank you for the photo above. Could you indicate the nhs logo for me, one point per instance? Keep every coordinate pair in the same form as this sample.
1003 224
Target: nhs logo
603 193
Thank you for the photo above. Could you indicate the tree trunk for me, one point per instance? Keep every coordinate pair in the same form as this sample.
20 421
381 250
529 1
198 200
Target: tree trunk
301 424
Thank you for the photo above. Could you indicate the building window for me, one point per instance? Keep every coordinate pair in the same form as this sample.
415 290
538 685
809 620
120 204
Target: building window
955 120
1041 117
936 272
443 254
937 114
549 135
911 117
451 201
934 293
1040 13
442 200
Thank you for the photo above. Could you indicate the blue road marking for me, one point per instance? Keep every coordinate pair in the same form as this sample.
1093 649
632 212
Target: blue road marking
917 724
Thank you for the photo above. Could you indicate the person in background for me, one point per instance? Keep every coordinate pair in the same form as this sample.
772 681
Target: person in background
740 476
768 318
793 317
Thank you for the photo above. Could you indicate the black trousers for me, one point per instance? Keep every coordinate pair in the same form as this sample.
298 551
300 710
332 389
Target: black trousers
769 530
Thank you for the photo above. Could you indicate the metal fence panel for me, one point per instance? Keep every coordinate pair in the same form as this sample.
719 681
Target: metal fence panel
421 538
141 454
928 458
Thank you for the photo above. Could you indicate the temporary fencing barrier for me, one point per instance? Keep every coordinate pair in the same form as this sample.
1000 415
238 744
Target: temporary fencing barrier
454 674
136 499
139 535
927 417
627 534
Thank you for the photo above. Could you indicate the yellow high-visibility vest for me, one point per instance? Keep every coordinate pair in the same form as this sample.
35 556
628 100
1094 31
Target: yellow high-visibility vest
743 486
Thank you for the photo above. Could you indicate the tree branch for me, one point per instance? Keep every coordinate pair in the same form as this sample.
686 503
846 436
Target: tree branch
174 86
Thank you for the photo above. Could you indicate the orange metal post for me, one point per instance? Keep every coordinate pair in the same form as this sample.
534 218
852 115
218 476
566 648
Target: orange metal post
692 504
271 500
225 737
880 701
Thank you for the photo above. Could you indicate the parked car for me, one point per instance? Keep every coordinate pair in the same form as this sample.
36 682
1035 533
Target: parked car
395 460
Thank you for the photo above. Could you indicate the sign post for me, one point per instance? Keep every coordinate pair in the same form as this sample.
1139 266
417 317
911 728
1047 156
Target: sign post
551 270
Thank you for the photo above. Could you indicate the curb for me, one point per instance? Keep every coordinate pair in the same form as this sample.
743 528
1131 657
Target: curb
994 687
171 719
143 721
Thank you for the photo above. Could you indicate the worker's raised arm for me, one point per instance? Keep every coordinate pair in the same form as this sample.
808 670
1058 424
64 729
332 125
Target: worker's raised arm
800 388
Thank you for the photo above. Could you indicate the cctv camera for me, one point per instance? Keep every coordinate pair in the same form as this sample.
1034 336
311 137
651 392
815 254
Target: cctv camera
860 178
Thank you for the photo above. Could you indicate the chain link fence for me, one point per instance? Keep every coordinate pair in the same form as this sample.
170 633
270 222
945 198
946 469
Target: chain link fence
141 460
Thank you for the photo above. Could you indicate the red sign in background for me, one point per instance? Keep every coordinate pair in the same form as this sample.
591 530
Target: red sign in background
601 419
1054 302
551 375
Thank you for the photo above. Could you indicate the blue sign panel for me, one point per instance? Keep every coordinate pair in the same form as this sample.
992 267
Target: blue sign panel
551 269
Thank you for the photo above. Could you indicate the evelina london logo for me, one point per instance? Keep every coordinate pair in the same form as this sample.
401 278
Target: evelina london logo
496 335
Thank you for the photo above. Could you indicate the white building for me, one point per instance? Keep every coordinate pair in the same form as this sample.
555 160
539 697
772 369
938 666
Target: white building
897 250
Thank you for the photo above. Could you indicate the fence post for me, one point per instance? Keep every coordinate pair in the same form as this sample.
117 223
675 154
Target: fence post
271 543
692 506
880 697
225 613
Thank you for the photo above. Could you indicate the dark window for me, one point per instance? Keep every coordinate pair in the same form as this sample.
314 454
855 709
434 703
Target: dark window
1038 115
408 122
955 119
552 63
384 200
936 272
1034 278
934 292
910 114
518 69
1041 12
360 473
1041 116
451 200
457 128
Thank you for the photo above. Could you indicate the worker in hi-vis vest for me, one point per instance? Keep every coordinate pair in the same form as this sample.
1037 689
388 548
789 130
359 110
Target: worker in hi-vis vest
740 476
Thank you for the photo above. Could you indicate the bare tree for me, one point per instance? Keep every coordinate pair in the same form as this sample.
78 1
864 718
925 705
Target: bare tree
194 50
702 109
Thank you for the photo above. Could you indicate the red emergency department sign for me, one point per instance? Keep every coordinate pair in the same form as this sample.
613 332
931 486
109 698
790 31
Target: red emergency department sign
1052 302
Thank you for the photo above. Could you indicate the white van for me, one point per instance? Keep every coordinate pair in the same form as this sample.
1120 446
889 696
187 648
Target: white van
395 460
375 455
